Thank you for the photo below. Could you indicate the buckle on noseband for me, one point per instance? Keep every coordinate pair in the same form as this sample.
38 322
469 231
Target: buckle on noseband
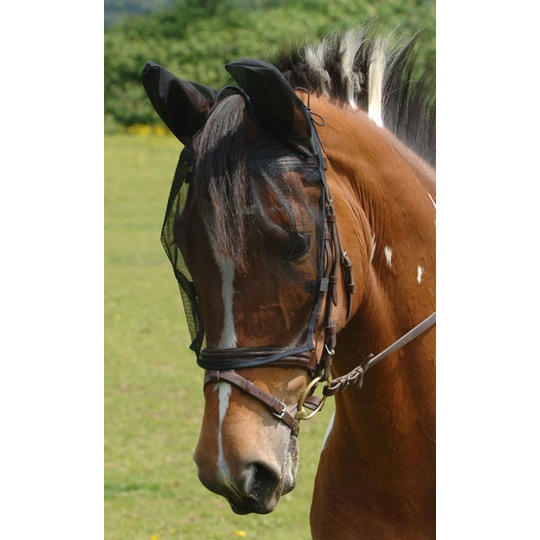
281 414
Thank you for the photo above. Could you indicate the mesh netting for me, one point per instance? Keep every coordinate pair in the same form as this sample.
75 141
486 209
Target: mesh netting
268 167
286 190
283 204
170 241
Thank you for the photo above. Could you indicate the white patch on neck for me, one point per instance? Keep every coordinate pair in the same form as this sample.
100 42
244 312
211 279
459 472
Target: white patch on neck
224 390
375 84
373 246
434 206
419 275
228 332
328 430
388 255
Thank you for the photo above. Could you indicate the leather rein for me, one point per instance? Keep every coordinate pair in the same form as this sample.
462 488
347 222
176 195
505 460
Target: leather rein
309 404
327 289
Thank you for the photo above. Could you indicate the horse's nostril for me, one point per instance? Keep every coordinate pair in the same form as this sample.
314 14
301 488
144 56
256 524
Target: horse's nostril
261 481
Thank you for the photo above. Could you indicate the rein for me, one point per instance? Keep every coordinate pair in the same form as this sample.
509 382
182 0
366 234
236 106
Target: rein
356 376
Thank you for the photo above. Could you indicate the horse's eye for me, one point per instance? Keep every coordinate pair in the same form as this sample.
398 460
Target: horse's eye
296 245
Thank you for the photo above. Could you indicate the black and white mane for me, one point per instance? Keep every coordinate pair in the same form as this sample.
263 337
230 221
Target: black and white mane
360 68
373 72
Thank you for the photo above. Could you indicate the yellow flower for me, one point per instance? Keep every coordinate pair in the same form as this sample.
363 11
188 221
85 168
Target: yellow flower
240 533
154 537
145 129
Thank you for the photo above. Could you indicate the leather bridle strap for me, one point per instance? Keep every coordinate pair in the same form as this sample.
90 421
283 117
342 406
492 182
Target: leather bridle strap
335 257
356 376
238 358
272 403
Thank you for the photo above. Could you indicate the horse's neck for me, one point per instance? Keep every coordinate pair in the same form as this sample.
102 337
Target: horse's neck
394 410
392 416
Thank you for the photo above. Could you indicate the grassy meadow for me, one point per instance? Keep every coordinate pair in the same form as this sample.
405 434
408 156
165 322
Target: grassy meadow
153 387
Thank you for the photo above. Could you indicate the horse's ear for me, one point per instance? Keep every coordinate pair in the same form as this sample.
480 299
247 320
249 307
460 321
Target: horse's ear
182 105
272 96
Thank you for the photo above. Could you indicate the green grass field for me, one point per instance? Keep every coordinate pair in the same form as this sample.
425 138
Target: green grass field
153 388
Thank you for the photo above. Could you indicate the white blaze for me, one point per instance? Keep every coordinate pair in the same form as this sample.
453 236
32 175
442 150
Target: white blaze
224 390
227 341
228 332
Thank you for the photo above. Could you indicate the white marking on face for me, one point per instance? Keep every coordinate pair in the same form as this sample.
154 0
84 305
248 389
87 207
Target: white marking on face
228 332
224 390
419 274
328 430
388 256
228 340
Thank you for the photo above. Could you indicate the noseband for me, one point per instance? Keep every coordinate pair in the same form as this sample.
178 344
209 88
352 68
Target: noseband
221 363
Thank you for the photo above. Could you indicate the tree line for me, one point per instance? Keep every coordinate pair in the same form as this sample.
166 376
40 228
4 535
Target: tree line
195 39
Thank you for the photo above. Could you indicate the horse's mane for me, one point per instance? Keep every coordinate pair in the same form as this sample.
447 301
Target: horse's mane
374 72
357 67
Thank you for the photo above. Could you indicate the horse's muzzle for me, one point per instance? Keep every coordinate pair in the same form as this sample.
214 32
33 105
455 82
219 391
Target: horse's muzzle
257 489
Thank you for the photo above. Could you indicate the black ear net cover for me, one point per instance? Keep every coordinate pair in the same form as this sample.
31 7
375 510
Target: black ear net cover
182 105
273 96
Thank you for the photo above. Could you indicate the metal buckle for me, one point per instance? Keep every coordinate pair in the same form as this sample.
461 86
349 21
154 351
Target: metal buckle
282 413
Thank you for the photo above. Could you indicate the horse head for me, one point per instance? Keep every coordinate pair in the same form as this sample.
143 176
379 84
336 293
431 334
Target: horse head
260 213
257 256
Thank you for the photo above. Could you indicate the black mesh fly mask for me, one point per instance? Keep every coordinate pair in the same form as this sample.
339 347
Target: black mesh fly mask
287 199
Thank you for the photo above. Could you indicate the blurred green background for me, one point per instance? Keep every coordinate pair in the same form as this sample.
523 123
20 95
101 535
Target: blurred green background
153 388
195 39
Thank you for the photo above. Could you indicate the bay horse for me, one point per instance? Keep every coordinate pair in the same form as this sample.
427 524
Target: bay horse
301 229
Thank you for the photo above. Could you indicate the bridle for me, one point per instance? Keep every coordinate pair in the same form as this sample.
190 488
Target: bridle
309 404
221 363
319 369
